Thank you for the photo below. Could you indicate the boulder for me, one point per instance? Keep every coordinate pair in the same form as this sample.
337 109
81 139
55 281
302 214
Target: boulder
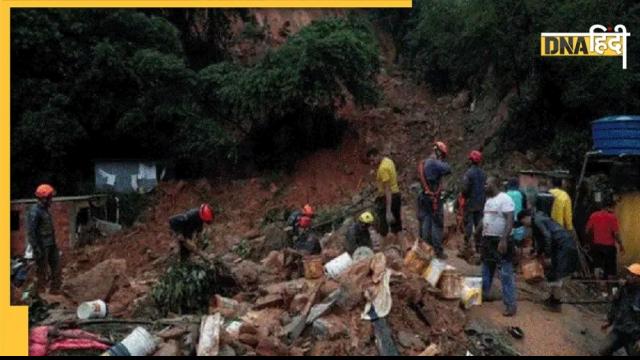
98 283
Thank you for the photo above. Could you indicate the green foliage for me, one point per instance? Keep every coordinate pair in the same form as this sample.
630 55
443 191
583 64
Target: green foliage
132 206
119 83
188 287
454 44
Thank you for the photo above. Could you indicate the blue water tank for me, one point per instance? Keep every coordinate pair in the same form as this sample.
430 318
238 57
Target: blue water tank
617 135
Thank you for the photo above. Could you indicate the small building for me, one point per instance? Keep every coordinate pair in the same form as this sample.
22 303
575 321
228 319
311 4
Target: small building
71 215
127 176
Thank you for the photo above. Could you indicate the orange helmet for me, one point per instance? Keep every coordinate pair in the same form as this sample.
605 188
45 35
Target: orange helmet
634 269
206 213
475 156
307 210
442 147
304 222
45 191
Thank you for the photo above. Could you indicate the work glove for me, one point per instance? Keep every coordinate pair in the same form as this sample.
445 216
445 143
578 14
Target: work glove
390 219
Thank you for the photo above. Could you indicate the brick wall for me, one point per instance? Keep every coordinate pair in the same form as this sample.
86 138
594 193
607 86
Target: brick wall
63 214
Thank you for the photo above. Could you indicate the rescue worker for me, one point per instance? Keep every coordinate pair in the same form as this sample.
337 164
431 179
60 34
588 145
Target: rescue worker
624 317
474 198
561 212
554 242
430 205
300 220
304 239
388 202
358 233
603 231
42 239
518 197
188 225
498 247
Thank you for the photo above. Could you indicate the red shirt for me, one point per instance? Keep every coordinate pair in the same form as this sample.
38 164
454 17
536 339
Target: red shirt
604 226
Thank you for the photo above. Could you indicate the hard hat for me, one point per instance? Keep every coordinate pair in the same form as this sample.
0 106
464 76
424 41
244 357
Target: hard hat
304 222
307 210
206 213
634 269
366 218
442 147
45 191
475 156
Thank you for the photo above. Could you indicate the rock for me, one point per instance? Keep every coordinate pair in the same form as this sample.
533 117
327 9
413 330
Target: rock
268 301
432 350
329 328
275 238
461 100
248 329
246 272
288 287
298 304
169 348
227 351
249 339
409 340
97 283
328 286
352 282
274 262
271 347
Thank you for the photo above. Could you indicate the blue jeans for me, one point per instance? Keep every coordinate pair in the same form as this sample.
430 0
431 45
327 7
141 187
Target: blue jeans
431 223
508 279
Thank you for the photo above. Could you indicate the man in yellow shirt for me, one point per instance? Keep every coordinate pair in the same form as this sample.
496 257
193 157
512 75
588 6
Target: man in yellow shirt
562 211
388 201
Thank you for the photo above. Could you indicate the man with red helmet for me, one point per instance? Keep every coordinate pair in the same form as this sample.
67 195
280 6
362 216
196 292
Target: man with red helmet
189 224
474 195
430 205
42 239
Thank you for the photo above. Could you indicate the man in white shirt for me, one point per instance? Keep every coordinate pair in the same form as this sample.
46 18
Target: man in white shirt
497 245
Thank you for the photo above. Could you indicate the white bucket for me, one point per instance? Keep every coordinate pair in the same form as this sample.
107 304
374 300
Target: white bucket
139 342
96 309
434 271
335 267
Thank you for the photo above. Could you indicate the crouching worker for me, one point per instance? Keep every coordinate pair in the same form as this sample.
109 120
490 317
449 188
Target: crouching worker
624 317
554 242
189 224
42 239
358 233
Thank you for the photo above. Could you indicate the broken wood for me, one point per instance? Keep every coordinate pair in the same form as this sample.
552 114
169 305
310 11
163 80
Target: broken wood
384 340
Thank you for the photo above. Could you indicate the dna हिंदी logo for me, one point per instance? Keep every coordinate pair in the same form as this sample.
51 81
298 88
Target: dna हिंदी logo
599 41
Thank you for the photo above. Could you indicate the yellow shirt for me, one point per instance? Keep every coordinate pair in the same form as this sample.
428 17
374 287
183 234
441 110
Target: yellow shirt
561 211
387 174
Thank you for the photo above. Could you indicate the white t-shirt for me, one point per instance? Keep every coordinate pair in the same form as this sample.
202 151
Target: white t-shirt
495 221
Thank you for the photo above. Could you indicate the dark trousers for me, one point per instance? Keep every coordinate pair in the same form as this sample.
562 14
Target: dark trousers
616 341
472 220
431 222
381 212
48 264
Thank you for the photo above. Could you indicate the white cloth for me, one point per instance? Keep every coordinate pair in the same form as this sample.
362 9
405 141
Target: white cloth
382 302
111 179
146 172
495 219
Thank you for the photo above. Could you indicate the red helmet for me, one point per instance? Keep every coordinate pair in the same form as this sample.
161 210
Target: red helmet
206 213
442 147
45 191
307 210
304 222
475 156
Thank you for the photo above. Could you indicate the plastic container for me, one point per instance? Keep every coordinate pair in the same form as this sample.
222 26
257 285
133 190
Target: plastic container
96 309
451 284
471 294
335 267
532 271
434 271
138 343
617 135
313 267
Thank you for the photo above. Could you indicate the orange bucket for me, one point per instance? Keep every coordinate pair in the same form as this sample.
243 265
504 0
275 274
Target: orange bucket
313 267
532 271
